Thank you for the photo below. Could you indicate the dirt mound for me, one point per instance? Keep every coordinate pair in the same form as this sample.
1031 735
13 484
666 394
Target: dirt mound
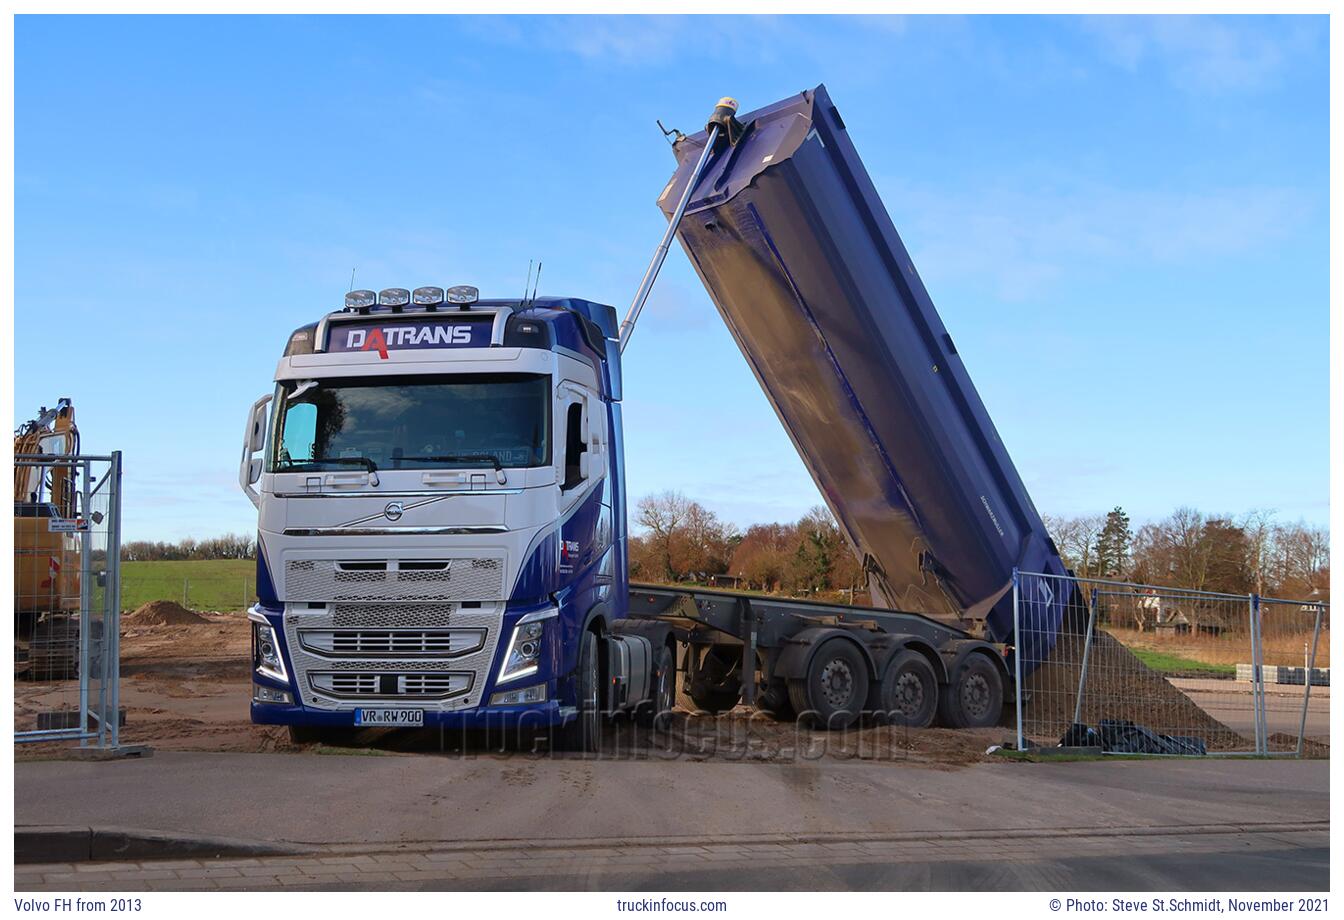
163 613
1312 750
1119 686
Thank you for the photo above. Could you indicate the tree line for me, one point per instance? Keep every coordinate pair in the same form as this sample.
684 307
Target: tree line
683 541
229 546
680 540
1207 552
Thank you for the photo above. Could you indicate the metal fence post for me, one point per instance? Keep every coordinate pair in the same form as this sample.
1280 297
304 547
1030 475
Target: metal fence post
112 642
1017 656
1257 675
1087 650
85 470
1306 680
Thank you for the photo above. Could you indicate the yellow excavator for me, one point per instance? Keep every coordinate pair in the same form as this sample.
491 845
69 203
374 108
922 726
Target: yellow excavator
47 547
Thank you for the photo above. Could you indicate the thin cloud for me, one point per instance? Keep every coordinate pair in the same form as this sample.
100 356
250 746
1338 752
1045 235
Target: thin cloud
1204 54
1022 242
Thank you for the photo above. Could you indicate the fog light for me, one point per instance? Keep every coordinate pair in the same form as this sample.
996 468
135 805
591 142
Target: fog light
536 694
264 694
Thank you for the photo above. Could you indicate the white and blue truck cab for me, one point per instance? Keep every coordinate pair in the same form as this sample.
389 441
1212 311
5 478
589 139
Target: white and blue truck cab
441 512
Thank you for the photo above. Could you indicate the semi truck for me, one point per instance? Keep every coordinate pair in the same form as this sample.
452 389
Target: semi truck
442 509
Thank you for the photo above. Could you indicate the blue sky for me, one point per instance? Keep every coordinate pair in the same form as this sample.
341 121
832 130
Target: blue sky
1123 222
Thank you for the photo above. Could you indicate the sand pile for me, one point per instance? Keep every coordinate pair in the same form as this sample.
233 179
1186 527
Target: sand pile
1119 686
163 613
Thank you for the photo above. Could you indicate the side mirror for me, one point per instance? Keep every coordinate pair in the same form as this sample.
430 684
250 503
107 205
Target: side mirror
253 470
257 434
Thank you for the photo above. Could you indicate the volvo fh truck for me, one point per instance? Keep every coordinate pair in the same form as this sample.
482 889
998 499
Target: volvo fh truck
440 482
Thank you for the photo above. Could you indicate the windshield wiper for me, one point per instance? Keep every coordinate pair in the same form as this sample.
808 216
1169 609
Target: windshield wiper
465 458
459 458
358 461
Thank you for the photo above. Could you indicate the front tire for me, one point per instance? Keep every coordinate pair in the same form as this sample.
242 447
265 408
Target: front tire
584 734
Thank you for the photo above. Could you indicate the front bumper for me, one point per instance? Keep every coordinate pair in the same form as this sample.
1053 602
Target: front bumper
536 715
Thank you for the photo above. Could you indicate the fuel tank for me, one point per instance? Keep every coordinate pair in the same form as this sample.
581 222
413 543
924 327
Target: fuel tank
794 246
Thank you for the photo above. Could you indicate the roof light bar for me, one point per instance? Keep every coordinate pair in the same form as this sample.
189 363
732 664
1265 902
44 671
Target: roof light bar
396 298
360 301
428 297
464 295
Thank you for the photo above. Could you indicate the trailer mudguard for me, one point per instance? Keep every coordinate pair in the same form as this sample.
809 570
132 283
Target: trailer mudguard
796 656
794 246
958 652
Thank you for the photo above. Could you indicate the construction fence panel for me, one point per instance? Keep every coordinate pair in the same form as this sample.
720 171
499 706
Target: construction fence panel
1146 669
1295 673
67 549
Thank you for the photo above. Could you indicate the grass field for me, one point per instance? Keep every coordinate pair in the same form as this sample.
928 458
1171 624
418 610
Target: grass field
1166 663
206 584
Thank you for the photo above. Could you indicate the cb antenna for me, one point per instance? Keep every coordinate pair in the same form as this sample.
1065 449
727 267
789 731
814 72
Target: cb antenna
535 282
352 280
526 282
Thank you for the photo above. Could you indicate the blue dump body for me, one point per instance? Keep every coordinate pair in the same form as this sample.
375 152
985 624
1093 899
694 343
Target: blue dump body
794 245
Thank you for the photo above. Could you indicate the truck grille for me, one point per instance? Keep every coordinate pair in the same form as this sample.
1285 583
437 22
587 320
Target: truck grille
407 643
417 686
389 581
347 652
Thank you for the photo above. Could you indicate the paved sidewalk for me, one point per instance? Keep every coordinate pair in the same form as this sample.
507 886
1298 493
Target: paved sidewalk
1269 858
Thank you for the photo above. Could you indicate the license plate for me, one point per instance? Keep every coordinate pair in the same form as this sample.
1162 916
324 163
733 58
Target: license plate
390 718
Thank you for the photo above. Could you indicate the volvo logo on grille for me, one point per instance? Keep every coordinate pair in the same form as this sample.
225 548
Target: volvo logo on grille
394 511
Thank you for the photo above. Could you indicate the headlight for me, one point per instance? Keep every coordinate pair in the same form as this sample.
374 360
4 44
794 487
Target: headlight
266 652
524 652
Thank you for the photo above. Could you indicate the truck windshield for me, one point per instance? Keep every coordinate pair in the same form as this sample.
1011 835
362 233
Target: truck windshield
411 423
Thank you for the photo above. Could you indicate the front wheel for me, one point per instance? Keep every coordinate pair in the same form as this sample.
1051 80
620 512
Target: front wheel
584 733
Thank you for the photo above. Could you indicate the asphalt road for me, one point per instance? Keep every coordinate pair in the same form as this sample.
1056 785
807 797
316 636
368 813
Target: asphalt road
1230 703
451 822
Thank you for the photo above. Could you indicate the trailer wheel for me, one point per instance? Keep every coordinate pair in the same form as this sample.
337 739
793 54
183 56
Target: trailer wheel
585 732
908 693
656 711
718 680
836 687
973 696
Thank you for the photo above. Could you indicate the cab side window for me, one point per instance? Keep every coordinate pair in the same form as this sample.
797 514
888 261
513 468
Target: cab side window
574 446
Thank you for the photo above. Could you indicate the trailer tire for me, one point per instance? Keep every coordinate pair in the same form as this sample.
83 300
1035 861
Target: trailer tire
716 688
833 693
584 734
656 711
908 693
973 695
